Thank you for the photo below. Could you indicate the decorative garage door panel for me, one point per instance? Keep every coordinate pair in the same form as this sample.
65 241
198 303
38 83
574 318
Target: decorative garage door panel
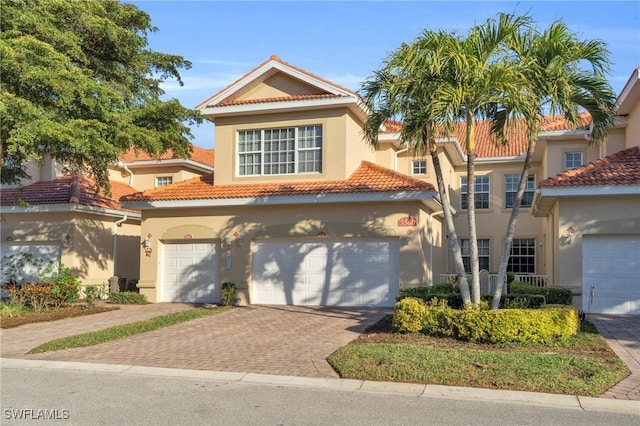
190 273
326 273
611 267
43 253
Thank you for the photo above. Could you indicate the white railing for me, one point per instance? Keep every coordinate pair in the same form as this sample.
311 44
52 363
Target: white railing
536 280
486 286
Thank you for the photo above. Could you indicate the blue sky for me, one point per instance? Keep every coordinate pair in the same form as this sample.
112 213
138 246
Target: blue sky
345 42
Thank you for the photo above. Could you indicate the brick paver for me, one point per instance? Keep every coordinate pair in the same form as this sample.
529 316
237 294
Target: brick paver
623 336
282 340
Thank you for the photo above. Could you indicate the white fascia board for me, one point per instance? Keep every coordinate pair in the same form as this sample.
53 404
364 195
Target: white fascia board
57 208
173 162
282 200
563 134
622 105
310 80
278 106
590 191
512 159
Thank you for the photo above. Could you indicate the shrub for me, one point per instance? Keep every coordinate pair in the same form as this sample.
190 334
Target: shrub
553 295
90 294
409 314
65 286
427 292
228 293
128 297
504 325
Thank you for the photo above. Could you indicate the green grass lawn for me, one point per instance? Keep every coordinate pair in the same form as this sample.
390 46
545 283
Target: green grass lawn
124 330
583 365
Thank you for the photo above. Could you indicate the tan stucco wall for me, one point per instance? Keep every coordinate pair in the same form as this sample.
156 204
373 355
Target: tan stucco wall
633 127
145 177
597 216
556 149
279 85
338 130
348 220
492 223
90 252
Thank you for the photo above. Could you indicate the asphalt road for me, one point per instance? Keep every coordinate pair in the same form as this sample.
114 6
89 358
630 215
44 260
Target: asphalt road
29 396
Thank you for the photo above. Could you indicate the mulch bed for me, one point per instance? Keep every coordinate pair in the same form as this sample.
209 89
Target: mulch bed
62 313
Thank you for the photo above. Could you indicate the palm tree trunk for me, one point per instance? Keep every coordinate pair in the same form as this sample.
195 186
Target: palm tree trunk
451 229
511 226
471 211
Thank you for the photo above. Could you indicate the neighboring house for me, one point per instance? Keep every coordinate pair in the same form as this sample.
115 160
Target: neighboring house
59 217
303 211
592 214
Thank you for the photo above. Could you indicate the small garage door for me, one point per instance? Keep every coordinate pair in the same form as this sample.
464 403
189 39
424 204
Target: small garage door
611 267
190 273
41 255
326 273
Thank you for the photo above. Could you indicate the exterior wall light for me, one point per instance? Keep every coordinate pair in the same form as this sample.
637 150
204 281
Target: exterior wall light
569 236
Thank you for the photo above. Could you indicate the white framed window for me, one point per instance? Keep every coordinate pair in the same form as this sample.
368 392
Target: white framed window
280 151
511 183
523 256
572 160
482 192
419 167
483 254
164 180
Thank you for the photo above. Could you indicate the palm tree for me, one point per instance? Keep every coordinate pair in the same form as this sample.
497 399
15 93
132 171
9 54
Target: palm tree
553 64
408 87
485 79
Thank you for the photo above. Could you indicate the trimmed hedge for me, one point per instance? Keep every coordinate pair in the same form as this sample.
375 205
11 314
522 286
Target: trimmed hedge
488 326
454 300
552 295
127 297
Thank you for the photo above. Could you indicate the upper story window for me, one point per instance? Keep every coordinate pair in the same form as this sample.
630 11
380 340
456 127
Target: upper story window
572 160
419 167
482 193
511 188
164 180
280 151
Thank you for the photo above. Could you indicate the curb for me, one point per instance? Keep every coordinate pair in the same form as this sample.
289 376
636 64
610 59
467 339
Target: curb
583 403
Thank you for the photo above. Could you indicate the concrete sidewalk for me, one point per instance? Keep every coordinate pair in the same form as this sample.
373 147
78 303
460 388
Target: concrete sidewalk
345 385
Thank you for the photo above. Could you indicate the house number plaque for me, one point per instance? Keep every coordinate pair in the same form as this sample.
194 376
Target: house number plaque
408 221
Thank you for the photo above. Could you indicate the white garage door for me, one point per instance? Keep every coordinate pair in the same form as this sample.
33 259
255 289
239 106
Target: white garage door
190 273
34 256
326 273
611 267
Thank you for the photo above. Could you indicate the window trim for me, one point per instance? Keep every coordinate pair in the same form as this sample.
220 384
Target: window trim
566 154
413 166
530 177
480 255
534 256
157 178
463 192
297 150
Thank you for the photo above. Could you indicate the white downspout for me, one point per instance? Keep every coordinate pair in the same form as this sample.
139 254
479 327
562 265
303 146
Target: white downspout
395 158
115 241
430 235
122 165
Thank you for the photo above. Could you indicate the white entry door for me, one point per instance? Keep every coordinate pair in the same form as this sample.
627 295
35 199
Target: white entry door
326 273
190 273
611 274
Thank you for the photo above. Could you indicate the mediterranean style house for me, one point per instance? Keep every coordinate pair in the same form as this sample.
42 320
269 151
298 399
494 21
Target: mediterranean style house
59 217
302 211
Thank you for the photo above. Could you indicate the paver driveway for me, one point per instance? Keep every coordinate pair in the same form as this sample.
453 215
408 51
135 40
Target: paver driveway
283 340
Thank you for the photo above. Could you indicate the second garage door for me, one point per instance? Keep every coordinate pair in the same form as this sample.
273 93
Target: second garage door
610 271
190 273
327 273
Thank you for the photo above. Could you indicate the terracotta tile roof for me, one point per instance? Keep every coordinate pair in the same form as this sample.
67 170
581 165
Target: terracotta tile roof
278 99
488 146
205 103
198 154
66 190
621 168
368 178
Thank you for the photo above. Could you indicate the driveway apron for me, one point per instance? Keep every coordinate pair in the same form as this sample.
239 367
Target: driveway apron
283 340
